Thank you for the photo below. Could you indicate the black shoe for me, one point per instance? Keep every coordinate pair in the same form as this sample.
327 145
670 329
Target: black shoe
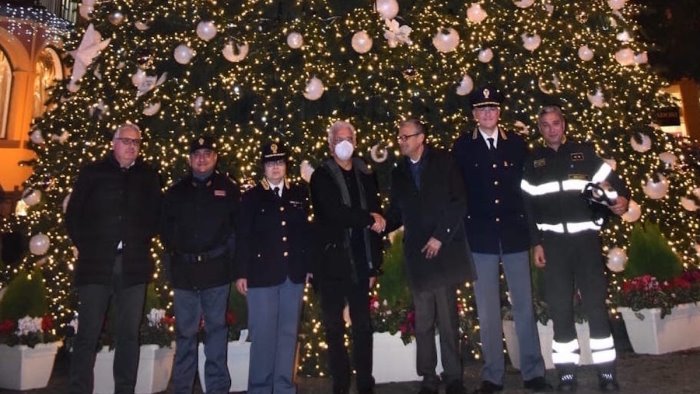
538 385
455 387
567 383
427 390
607 383
488 388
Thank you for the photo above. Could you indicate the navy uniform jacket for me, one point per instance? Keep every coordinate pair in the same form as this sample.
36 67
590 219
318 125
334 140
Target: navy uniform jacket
274 235
495 218
199 219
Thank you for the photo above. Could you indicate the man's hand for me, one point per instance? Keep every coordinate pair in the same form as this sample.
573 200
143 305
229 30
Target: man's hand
379 223
621 206
242 286
431 248
372 281
538 256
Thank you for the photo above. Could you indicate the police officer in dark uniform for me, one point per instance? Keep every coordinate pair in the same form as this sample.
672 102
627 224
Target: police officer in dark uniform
565 235
198 230
274 244
491 160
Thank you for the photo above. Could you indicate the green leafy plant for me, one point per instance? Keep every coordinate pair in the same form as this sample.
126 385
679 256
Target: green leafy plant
650 254
236 315
24 318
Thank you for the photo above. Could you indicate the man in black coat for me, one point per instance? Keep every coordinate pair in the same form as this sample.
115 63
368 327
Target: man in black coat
274 245
198 230
112 216
346 205
491 161
427 197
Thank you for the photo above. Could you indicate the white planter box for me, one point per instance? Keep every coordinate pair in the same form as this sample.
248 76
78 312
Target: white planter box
546 334
155 368
25 368
238 361
650 334
392 361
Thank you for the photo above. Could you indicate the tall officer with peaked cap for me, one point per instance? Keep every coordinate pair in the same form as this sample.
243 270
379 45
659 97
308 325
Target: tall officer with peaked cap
491 161
274 251
566 239
198 230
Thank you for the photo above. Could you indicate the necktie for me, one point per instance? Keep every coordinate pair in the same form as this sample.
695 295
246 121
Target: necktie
276 190
491 146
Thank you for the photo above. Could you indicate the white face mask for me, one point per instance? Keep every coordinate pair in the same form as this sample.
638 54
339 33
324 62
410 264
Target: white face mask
343 150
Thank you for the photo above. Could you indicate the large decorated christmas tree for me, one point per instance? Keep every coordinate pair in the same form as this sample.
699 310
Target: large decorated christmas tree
250 71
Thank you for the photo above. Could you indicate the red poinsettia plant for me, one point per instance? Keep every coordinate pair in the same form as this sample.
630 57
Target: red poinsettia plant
28 331
158 328
648 292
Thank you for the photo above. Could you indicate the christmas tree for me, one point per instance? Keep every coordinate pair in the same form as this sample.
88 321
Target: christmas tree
255 70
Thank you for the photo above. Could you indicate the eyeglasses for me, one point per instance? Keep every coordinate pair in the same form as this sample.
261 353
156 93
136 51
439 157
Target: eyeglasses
129 141
405 137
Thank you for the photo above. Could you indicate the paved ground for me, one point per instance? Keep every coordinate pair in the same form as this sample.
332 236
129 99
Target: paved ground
673 373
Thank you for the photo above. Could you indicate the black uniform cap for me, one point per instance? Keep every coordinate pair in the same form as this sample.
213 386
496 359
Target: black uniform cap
486 96
273 151
204 141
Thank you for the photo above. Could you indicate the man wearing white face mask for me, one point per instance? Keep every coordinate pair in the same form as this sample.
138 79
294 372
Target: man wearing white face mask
346 207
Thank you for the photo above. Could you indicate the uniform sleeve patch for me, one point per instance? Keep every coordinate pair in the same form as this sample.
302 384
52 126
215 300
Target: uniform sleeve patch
220 193
539 163
577 156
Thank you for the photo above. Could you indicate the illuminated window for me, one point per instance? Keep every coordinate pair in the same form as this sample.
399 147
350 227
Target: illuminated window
48 71
5 87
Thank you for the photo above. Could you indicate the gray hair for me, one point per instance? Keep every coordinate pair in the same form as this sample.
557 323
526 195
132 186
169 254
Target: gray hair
550 109
337 126
126 126
418 126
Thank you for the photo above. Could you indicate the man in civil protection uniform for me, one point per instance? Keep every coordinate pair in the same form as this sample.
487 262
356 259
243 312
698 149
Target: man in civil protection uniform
566 243
491 160
198 230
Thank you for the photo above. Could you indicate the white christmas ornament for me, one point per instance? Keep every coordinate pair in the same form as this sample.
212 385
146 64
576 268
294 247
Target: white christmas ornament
475 13
623 36
31 196
531 42
617 258
625 57
90 46
396 34
379 153
295 40
485 55
524 3
446 40
36 137
361 42
231 55
634 212
183 54
616 4
206 30
61 139
116 18
668 158
523 129
641 58
142 26
152 109
466 85
387 9
306 170
597 99
548 85
585 53
642 147
138 77
39 244
314 89
689 204
656 190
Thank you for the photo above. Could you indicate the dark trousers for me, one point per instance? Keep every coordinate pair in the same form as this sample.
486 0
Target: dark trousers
574 262
437 306
93 304
334 296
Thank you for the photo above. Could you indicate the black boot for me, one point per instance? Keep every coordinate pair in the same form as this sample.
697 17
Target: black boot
607 378
567 378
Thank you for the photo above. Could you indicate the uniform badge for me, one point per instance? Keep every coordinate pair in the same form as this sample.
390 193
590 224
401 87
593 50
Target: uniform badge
220 193
539 163
273 148
487 93
201 141
577 156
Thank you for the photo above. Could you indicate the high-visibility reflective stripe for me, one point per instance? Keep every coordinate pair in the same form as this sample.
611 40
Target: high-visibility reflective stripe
539 190
571 228
574 184
603 356
602 173
565 358
565 347
602 343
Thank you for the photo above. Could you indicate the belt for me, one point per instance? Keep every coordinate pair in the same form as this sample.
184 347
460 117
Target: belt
202 257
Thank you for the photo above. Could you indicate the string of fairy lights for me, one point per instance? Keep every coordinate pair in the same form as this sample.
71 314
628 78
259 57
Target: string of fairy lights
260 88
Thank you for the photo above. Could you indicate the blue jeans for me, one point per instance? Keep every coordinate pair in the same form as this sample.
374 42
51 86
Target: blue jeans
273 321
516 267
190 306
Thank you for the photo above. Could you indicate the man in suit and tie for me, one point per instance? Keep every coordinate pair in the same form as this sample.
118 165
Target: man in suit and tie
491 162
427 198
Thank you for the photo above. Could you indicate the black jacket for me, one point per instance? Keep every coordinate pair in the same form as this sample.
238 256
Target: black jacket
436 209
274 235
110 205
199 219
495 218
333 219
